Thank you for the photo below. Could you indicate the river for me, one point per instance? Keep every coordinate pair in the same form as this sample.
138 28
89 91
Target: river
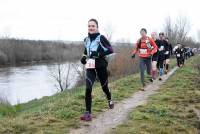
24 83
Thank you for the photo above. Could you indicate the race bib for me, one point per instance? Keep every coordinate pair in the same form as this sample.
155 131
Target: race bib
167 52
143 51
178 55
161 48
90 64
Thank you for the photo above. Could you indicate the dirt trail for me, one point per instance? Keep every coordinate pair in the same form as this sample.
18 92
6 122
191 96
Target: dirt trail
111 118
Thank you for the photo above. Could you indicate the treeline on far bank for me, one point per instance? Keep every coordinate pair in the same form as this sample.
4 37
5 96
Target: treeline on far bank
17 51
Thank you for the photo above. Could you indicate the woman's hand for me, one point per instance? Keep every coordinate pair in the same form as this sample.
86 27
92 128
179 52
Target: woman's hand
83 60
133 56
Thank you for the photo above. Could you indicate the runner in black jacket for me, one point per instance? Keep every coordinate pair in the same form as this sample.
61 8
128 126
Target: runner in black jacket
162 47
168 53
179 52
96 48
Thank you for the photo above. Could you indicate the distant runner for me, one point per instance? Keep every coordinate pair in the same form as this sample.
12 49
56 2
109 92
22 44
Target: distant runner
179 52
168 53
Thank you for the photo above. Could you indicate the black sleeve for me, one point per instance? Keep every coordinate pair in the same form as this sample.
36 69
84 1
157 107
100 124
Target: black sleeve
167 46
106 44
85 50
171 47
158 43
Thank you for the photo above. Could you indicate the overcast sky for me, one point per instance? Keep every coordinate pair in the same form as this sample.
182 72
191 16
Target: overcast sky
67 19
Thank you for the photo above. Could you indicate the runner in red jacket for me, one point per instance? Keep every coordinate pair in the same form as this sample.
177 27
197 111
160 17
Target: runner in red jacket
145 48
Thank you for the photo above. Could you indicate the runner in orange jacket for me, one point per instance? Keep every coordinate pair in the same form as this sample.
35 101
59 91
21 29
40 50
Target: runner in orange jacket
145 48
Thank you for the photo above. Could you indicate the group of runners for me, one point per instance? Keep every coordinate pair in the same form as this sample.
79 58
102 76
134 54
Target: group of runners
154 55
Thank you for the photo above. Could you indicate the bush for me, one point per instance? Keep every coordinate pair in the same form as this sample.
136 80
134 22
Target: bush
121 64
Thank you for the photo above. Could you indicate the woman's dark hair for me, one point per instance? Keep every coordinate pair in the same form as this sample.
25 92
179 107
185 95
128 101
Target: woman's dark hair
139 41
94 20
161 33
143 29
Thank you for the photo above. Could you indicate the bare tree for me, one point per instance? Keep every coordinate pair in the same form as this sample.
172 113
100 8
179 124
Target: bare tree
80 70
170 30
61 75
109 31
168 27
183 25
198 35
177 31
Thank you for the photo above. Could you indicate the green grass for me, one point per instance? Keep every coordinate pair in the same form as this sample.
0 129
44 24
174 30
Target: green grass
172 62
171 110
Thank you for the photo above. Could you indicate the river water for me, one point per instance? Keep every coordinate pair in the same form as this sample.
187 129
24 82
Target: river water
24 83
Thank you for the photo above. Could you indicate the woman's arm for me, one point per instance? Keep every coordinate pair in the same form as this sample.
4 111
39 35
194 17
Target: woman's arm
106 46
85 52
135 51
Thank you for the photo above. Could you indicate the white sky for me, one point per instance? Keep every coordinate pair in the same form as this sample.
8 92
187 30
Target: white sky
67 19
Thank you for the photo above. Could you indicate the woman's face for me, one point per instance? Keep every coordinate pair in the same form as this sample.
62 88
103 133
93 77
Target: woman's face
143 33
161 36
153 35
92 27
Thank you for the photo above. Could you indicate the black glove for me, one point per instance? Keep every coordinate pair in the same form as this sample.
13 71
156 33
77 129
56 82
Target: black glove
133 56
83 60
94 54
